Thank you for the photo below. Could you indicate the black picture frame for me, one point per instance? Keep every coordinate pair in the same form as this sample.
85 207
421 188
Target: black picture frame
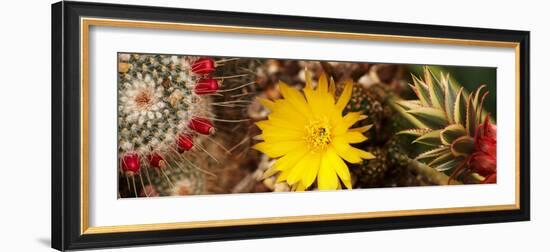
66 155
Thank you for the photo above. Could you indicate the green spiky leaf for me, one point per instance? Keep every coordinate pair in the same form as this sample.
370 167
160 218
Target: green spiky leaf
436 95
409 104
421 91
434 153
414 132
450 97
441 159
431 138
451 133
462 146
428 76
479 114
410 118
431 117
459 107
470 124
478 95
447 165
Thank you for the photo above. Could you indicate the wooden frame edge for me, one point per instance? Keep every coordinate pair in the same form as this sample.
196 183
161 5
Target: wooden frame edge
86 22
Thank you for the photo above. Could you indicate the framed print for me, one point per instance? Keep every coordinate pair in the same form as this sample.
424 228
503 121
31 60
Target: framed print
177 125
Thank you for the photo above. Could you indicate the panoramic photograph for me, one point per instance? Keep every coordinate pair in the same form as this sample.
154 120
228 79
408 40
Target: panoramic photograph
198 125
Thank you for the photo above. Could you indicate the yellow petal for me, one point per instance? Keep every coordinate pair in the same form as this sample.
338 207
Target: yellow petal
354 137
345 96
284 108
310 96
280 121
339 166
302 170
289 161
308 79
274 150
274 136
320 101
299 187
347 183
282 176
332 87
311 169
267 103
326 98
353 120
347 121
361 129
295 98
327 179
343 149
314 101
263 124
267 127
322 86
363 154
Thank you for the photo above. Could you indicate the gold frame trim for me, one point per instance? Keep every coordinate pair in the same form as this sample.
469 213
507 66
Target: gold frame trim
85 24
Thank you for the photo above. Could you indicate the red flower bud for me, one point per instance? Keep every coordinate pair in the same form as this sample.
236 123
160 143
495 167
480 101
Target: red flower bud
483 160
491 179
483 164
203 66
487 145
155 160
206 86
185 142
201 125
130 163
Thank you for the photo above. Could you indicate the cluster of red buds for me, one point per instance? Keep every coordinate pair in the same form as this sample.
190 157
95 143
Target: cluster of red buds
199 125
131 161
203 67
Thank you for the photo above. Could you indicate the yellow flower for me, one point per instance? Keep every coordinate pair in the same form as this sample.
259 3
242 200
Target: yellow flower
310 137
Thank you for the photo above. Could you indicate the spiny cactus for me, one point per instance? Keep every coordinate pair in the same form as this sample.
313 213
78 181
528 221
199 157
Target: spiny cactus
389 168
371 173
446 118
362 100
164 112
181 181
405 171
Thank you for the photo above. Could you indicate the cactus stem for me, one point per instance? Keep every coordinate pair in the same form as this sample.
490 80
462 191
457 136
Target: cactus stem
432 174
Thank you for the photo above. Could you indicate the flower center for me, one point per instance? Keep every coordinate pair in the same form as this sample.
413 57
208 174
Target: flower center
318 134
144 99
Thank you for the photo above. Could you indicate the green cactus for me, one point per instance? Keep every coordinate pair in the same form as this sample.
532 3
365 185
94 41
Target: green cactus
371 173
445 118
